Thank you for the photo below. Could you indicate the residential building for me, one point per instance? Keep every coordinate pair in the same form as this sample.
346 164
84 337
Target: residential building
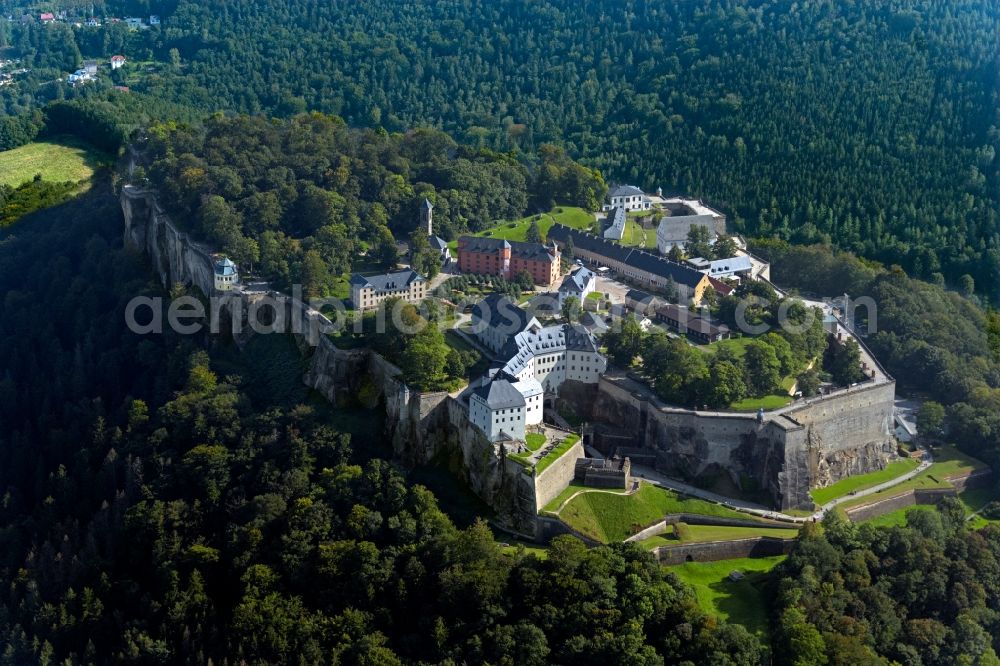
628 197
226 274
636 265
681 319
616 224
496 319
679 216
117 61
368 292
154 20
640 302
46 17
496 256
132 22
90 66
579 283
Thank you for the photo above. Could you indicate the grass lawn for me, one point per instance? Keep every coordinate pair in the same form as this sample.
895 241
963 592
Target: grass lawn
948 461
768 402
535 441
610 517
896 518
739 601
571 489
738 346
636 236
569 216
58 160
854 483
554 455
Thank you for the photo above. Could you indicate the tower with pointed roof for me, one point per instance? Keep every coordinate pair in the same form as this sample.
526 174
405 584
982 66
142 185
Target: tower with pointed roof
427 217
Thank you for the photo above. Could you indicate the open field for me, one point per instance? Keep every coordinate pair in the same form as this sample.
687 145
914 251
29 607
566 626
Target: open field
740 601
612 517
854 483
58 160
896 518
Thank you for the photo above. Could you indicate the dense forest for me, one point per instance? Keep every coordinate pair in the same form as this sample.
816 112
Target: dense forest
305 200
871 125
926 593
159 508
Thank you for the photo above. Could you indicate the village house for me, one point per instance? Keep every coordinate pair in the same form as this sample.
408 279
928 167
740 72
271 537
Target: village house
46 17
579 283
117 61
369 292
641 267
496 256
628 197
684 322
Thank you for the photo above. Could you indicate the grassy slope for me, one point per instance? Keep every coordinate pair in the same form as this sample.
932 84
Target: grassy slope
611 517
948 461
57 160
568 216
740 601
846 486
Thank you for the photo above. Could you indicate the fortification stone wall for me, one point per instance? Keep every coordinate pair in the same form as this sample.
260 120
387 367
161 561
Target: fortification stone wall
723 550
554 478
813 444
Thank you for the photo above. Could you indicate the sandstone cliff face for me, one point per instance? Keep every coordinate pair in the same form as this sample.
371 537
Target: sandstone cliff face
175 255
420 426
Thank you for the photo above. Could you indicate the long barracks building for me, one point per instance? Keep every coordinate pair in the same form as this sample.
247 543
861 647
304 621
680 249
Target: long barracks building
636 265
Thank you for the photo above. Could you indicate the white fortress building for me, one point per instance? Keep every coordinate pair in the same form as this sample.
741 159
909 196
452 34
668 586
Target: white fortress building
532 362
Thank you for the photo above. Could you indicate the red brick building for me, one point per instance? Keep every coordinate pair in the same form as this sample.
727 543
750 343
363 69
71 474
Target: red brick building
495 256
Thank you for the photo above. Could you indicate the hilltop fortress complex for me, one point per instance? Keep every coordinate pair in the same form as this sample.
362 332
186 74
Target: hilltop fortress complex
783 454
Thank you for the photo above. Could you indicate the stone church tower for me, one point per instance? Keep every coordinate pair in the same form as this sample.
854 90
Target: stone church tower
427 217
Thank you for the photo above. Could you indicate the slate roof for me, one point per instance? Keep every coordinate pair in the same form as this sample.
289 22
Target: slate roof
636 258
497 310
626 191
387 282
584 241
616 224
438 243
427 204
664 268
500 394
522 347
225 267
483 245
690 322
577 281
637 295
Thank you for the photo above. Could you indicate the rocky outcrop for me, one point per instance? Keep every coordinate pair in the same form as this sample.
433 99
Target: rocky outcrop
176 257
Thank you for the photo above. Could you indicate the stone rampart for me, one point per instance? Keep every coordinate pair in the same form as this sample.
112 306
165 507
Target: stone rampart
554 479
712 551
